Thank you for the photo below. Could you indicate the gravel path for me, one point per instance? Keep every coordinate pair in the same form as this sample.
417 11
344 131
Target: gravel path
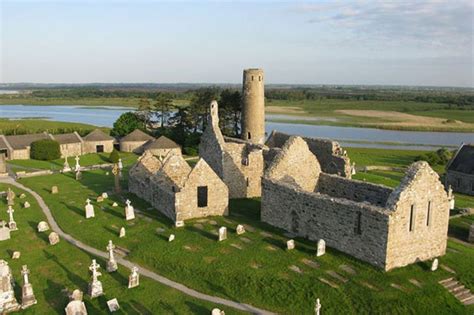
146 272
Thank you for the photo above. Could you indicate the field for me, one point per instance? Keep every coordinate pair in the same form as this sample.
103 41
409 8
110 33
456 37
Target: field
23 126
57 270
255 268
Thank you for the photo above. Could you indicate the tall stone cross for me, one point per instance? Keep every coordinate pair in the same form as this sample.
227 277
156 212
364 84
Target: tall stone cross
94 267
88 201
10 213
78 166
116 172
128 202
110 248
317 308
10 197
25 272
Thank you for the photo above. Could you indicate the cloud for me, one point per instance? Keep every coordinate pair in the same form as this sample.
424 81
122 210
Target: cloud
442 24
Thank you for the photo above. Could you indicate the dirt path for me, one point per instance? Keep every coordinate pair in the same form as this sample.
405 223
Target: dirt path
146 272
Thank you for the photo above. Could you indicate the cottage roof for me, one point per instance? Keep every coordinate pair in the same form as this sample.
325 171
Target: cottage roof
98 135
67 138
162 143
3 144
137 135
463 161
18 142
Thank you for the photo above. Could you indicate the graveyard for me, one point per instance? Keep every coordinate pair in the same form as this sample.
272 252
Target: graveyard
255 267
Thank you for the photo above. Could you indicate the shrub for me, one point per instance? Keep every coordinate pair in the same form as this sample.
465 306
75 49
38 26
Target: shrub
126 123
114 156
45 150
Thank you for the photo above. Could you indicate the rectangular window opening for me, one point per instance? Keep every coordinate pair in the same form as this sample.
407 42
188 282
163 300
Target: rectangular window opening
428 214
358 227
249 136
412 218
247 180
99 148
202 193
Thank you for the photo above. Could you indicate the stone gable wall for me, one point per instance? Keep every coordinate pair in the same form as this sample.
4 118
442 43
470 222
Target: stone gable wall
90 146
132 146
425 241
339 187
466 182
316 216
70 149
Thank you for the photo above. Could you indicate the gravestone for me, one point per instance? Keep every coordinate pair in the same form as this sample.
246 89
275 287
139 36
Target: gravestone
111 263
78 175
240 229
77 167
22 196
26 205
95 286
115 204
290 244
434 265
11 222
53 238
451 198
129 211
216 311
171 238
4 231
113 305
100 199
27 295
8 302
133 278
179 224
43 226
66 167
76 306
54 190
10 197
222 233
321 248
317 307
16 255
120 164
122 232
89 209
105 195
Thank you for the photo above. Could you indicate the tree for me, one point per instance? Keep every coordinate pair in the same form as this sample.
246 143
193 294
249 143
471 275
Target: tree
126 123
199 107
46 150
144 110
230 108
164 104
114 156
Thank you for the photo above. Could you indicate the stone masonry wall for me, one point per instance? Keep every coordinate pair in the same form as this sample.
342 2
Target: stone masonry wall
339 187
91 146
422 190
315 216
460 182
132 146
71 149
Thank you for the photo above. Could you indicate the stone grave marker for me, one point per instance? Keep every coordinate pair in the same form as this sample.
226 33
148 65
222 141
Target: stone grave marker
122 232
100 199
105 195
76 306
434 265
43 226
240 229
11 222
129 211
95 286
26 205
222 233
171 238
27 296
115 204
111 262
16 255
4 231
54 190
113 305
290 244
22 196
53 238
89 209
321 248
133 278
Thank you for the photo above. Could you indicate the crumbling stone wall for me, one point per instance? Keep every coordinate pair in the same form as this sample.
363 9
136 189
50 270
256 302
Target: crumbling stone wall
331 156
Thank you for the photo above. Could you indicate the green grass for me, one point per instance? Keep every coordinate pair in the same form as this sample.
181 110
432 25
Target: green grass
55 269
459 227
196 259
23 126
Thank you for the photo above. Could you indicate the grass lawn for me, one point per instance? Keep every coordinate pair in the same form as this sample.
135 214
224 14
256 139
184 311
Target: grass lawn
23 126
61 268
254 268
85 160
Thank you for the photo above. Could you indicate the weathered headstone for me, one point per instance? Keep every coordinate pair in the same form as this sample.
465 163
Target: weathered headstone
129 211
120 164
171 238
77 167
434 264
22 196
89 209
54 190
66 167
10 197
133 278
76 306
100 199
95 286
222 233
4 231
105 195
43 226
317 307
111 262
122 232
115 204
290 244
53 238
113 305
16 255
78 175
179 224
27 295
11 222
321 248
26 205
240 229
216 311
451 198
8 302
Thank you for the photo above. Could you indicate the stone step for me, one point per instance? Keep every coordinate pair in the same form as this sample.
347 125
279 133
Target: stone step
445 280
456 288
337 276
469 301
463 294
451 284
329 283
448 269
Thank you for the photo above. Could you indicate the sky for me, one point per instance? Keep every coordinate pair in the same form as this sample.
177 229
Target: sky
411 42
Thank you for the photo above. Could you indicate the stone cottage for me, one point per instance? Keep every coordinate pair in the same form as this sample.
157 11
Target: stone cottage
134 141
178 191
460 170
385 227
332 158
162 147
97 142
70 144
238 162
18 147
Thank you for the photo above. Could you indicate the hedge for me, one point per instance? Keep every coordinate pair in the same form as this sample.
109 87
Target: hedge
45 150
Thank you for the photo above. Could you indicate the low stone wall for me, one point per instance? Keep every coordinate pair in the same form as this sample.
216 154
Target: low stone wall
23 174
316 216
360 191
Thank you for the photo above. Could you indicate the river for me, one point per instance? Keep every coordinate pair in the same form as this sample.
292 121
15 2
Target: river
347 136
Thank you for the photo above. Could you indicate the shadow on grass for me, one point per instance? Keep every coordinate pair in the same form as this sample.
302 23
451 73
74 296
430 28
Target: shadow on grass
74 278
197 309
202 232
75 209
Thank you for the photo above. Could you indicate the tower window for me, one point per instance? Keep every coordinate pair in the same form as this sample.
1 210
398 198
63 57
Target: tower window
358 228
259 78
412 219
428 214
249 136
248 184
252 78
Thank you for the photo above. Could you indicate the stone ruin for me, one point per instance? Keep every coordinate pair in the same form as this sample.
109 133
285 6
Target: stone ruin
76 306
177 190
8 302
385 227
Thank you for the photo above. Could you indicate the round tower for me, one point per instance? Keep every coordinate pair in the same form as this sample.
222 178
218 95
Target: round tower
253 106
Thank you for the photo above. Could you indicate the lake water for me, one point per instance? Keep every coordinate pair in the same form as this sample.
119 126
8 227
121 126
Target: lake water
347 136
